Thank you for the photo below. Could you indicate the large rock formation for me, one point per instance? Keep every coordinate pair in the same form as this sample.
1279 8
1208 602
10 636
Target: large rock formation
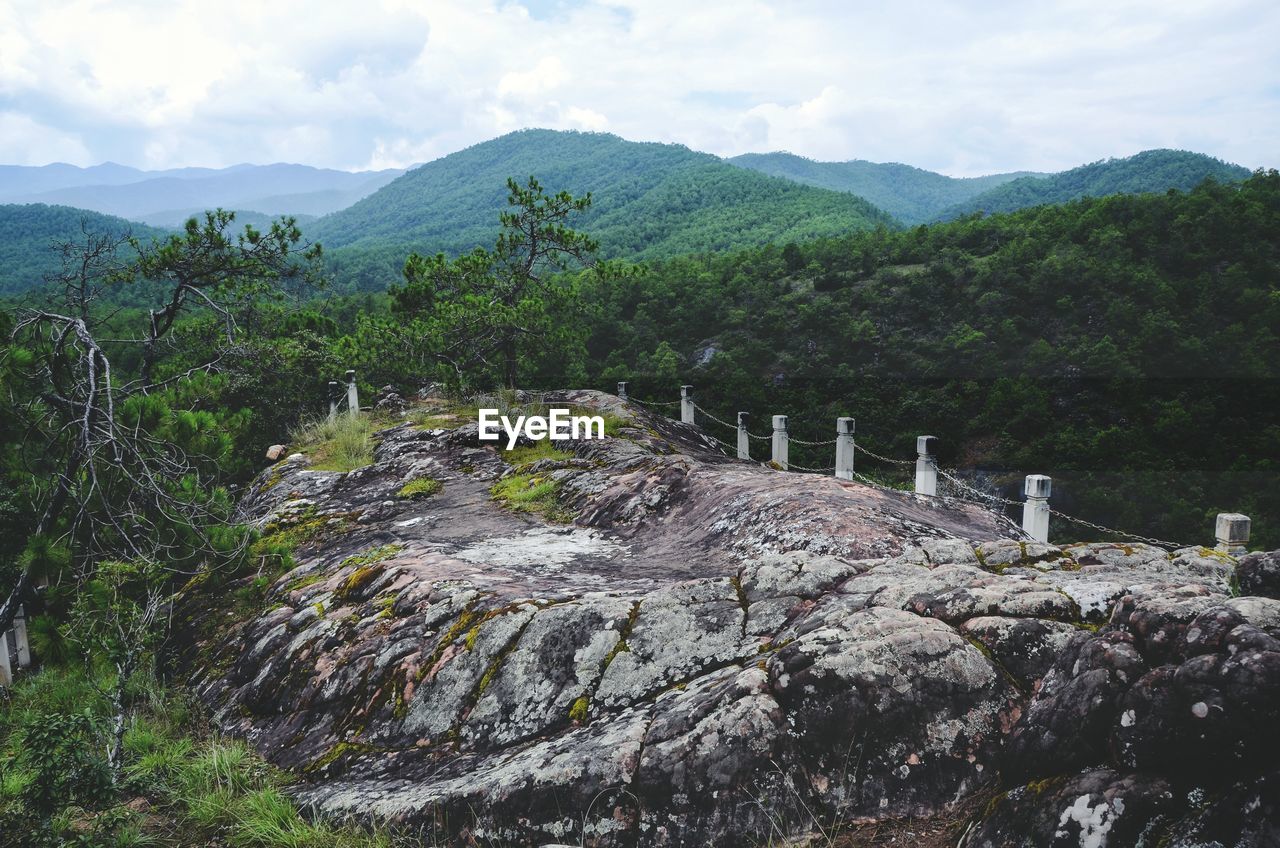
714 653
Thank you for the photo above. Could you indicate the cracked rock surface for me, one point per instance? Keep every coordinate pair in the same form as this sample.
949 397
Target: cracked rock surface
714 653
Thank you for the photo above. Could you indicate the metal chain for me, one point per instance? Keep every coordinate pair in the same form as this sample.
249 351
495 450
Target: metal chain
722 444
811 444
719 421
873 484
859 448
986 496
791 465
1134 536
654 402
751 435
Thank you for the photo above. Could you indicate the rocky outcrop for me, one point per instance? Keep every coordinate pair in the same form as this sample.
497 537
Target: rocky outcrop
715 653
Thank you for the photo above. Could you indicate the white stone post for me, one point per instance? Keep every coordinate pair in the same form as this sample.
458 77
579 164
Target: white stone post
1035 510
20 638
622 389
353 395
780 441
333 399
6 670
926 466
686 404
1232 531
744 439
844 448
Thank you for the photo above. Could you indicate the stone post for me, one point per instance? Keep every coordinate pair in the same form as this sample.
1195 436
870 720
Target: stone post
333 399
1232 531
622 389
353 395
744 440
1035 510
6 670
844 448
686 404
926 466
780 441
20 638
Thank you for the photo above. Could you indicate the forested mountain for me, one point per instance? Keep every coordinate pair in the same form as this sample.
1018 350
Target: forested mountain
650 200
167 198
1151 171
912 195
28 233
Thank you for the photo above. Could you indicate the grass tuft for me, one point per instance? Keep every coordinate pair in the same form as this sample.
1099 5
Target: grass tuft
533 494
422 487
343 443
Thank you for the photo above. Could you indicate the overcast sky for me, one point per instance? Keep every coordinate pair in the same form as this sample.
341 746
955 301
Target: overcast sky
962 88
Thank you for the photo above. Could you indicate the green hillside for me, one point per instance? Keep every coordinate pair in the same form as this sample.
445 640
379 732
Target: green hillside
28 233
650 200
1151 171
912 195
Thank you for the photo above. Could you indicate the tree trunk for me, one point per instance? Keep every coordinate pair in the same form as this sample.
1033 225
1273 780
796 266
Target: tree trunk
115 749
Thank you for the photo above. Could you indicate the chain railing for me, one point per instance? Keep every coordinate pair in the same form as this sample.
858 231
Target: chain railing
1036 511
1159 543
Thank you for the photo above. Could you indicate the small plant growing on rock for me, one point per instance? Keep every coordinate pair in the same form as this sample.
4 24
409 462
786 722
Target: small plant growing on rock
531 493
421 488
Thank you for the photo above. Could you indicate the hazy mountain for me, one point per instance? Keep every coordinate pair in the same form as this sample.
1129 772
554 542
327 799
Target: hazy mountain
1152 171
649 199
166 198
912 195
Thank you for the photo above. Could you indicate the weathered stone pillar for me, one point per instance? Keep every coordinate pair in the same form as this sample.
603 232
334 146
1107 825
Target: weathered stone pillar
1035 510
6 670
622 389
353 395
744 439
20 638
686 404
1232 530
780 441
926 466
333 399
844 448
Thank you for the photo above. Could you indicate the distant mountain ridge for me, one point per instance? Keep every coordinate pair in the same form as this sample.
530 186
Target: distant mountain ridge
1151 171
916 196
912 195
167 198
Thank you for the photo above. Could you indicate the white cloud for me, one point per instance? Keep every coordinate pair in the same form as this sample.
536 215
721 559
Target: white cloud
962 88
26 142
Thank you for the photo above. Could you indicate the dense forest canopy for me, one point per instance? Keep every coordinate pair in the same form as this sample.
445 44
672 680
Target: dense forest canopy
30 232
